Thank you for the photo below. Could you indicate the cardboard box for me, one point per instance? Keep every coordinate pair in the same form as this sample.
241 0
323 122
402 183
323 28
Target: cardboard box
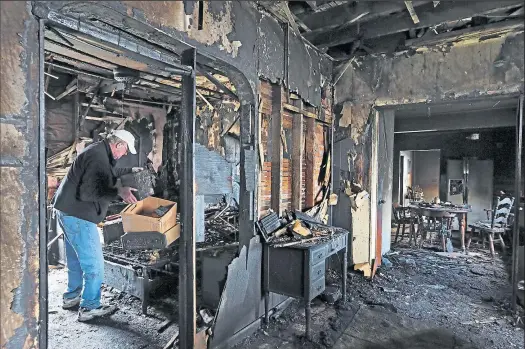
145 240
134 220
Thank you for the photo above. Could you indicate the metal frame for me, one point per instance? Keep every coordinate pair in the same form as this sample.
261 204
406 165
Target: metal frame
187 301
42 184
517 195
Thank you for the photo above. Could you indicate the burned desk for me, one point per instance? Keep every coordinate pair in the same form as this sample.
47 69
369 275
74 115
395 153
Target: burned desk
298 271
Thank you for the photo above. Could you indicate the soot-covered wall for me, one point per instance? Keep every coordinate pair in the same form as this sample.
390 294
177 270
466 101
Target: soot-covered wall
460 71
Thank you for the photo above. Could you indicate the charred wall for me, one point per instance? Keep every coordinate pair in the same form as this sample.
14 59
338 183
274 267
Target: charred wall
461 71
488 67
19 129
230 40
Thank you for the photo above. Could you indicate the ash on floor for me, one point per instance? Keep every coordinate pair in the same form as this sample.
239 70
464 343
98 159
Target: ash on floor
423 300
126 329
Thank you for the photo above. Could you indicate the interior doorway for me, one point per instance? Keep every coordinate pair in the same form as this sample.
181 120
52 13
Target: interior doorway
419 172
92 87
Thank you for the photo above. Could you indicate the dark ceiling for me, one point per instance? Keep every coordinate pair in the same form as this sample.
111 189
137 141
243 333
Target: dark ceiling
344 29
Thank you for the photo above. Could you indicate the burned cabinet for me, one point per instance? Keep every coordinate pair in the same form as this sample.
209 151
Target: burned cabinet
298 271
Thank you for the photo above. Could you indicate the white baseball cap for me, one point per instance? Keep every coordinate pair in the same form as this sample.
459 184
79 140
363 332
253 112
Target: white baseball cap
127 137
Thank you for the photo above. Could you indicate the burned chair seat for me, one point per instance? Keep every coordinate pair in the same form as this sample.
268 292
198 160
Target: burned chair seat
486 226
495 225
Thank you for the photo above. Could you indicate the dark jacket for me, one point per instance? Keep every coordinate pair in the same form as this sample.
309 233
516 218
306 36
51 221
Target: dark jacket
89 186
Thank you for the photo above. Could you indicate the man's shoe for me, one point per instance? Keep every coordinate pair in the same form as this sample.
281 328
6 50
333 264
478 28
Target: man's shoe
90 314
71 302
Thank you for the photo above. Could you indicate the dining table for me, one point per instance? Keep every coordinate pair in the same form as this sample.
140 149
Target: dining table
440 210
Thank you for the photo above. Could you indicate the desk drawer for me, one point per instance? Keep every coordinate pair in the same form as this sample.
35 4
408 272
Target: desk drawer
317 287
318 255
317 271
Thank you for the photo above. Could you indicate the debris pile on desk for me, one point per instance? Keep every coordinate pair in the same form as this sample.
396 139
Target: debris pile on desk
296 227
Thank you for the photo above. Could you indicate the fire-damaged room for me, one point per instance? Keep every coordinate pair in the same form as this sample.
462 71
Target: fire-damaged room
262 174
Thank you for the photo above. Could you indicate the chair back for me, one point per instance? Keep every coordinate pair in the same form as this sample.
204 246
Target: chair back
501 212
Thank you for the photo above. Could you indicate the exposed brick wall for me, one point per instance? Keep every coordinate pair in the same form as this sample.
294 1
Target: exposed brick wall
317 142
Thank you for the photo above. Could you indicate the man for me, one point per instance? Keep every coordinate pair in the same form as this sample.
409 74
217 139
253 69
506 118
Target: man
81 202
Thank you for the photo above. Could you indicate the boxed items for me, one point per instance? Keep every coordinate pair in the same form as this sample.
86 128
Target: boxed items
150 223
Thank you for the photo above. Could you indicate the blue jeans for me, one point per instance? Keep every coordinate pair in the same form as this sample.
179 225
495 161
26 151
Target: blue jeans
85 262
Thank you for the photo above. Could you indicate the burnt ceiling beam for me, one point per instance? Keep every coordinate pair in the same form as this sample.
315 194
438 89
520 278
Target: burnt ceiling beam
448 11
312 4
344 14
497 28
117 39
387 44
216 82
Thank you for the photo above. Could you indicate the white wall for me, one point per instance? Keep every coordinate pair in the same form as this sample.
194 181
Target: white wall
426 167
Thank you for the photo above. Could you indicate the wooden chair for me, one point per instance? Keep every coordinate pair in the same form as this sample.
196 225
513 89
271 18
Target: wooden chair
403 217
495 225
434 223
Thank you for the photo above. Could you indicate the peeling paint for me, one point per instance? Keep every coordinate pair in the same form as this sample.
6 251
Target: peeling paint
216 24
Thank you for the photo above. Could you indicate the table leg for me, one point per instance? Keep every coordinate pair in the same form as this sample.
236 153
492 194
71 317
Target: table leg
345 272
266 281
307 312
463 225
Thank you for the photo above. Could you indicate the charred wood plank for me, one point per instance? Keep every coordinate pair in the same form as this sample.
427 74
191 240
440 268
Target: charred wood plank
344 14
277 148
69 89
497 28
217 83
310 150
297 157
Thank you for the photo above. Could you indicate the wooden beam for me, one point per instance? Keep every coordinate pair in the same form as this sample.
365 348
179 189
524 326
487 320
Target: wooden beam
289 16
217 83
69 88
412 12
458 35
346 13
297 157
310 150
301 110
277 148
312 4
402 22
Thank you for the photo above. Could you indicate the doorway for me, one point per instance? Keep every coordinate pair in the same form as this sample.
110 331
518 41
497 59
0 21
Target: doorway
92 87
419 172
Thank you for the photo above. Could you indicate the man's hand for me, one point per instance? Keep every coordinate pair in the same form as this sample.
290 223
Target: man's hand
126 193
137 169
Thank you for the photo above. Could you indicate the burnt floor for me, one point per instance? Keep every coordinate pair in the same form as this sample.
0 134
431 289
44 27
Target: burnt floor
126 329
424 300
